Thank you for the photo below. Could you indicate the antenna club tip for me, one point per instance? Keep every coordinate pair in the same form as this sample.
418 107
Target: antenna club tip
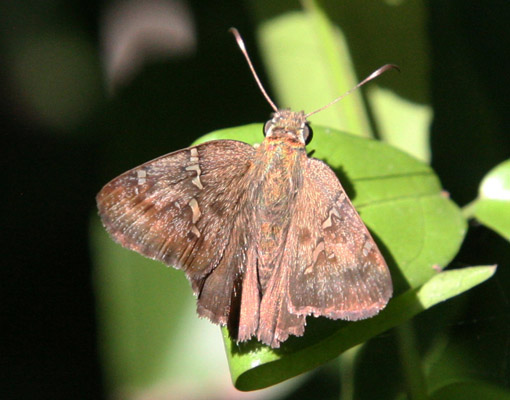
393 66
238 38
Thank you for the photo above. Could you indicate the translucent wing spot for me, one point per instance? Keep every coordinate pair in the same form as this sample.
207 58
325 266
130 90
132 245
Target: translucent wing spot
316 252
196 180
195 231
368 246
141 175
194 156
194 167
195 210
329 221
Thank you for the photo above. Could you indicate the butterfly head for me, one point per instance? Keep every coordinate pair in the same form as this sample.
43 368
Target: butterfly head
287 124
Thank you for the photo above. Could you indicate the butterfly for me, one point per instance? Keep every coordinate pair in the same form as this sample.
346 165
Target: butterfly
266 236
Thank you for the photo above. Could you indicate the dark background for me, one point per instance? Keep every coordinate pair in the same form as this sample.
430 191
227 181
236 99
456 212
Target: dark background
53 171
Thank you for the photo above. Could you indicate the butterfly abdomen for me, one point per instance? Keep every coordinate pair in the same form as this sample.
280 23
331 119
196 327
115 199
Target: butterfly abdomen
274 192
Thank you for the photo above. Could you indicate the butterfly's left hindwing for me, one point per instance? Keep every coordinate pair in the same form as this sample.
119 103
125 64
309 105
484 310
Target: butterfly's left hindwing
335 268
181 209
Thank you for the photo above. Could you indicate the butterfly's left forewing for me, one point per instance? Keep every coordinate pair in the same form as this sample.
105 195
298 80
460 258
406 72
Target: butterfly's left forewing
182 209
334 268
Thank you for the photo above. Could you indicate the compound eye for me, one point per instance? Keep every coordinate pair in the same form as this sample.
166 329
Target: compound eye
307 134
267 127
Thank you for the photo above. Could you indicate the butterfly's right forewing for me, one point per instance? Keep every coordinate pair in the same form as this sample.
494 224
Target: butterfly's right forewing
183 209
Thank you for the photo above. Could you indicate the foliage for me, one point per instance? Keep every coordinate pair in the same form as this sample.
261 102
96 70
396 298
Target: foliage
419 228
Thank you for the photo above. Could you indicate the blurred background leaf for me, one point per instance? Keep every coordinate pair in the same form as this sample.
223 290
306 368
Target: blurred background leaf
93 88
492 207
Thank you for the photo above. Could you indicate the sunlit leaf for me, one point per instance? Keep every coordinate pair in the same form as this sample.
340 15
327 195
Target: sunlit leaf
326 74
493 206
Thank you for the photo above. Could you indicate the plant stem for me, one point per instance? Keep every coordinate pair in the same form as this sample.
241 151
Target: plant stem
411 363
468 211
347 373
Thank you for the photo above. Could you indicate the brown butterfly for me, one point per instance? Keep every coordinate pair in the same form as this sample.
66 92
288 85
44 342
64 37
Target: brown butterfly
265 235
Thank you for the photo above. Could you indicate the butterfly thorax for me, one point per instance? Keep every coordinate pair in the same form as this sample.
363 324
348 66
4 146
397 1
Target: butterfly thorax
287 124
279 178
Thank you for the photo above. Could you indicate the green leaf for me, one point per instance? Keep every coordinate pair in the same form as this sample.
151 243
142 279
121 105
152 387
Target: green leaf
329 69
493 205
327 73
260 367
470 390
419 230
146 316
401 122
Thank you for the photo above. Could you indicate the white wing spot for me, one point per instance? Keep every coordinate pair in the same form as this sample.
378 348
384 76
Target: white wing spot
367 247
315 255
195 210
194 156
196 180
329 221
195 230
141 175
308 269
319 249
194 167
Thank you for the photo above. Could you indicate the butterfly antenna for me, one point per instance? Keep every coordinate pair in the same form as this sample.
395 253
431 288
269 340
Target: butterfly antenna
241 45
373 75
